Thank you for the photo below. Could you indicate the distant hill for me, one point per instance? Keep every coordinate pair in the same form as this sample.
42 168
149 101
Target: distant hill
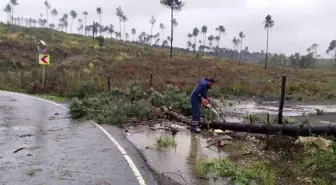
78 61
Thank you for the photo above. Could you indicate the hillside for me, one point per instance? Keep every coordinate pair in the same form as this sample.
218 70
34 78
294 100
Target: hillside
78 60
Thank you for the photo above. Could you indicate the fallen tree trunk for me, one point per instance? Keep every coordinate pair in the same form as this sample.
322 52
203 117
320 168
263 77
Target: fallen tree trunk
271 129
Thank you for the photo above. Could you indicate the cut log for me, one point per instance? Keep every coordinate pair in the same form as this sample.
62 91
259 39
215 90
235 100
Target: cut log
288 130
174 115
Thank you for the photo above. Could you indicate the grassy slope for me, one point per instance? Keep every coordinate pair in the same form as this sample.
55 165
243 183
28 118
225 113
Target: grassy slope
77 59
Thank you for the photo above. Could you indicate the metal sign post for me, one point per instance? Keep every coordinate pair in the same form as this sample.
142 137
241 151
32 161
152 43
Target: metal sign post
43 57
43 74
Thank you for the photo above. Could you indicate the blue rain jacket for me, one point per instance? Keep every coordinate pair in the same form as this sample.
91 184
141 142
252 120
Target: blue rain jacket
200 91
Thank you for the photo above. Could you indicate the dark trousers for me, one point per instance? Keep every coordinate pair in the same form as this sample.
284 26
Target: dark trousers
196 112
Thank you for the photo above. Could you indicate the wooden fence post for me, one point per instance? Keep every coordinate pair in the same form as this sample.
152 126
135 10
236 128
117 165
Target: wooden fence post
63 79
108 84
45 77
151 81
251 120
282 100
268 122
22 79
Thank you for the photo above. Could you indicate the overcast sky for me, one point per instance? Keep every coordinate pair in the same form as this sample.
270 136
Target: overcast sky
298 23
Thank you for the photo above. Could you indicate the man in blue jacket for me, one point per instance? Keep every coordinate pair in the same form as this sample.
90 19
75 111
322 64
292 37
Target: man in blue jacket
199 95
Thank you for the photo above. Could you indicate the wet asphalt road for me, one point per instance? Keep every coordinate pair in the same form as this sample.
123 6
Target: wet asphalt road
52 149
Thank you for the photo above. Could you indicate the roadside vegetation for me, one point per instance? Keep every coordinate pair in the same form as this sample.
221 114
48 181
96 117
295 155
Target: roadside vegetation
224 167
292 164
130 104
112 77
116 107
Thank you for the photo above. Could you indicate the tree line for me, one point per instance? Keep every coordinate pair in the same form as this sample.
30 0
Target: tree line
200 41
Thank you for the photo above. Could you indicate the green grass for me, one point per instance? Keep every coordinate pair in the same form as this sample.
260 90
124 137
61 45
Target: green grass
305 163
30 172
164 142
289 120
319 163
243 175
53 97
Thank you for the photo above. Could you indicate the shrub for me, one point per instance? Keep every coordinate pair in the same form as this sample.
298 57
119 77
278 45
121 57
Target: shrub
76 109
133 92
224 167
100 40
119 106
316 162
173 98
88 88
105 108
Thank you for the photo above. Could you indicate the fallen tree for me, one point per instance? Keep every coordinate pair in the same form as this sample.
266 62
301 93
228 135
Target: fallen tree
271 129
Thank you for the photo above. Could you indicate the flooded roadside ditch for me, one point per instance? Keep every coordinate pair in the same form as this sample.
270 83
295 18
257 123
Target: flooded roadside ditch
182 160
179 161
315 112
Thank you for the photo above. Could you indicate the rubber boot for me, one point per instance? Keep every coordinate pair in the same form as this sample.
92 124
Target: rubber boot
195 127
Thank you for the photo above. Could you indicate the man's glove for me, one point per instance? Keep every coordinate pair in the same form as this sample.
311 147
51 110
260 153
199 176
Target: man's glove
205 101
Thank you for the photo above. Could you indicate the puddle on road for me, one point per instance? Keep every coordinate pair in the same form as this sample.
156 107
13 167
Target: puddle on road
181 160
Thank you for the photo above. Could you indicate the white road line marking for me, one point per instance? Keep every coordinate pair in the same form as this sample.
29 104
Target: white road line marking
126 156
130 162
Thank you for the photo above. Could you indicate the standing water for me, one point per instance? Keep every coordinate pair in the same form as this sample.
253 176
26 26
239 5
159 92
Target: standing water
179 162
